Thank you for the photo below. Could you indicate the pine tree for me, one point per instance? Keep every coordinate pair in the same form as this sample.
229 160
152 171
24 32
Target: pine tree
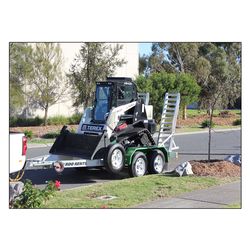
47 85
94 62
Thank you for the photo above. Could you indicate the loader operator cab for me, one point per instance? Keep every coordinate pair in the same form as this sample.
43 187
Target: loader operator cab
113 92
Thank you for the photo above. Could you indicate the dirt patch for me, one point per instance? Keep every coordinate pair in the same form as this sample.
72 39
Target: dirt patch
39 131
215 168
221 120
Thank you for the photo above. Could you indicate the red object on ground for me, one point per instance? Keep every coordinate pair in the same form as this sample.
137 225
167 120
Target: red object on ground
57 184
104 206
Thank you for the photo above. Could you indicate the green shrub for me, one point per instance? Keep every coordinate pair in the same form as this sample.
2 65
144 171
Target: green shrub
37 121
58 120
237 122
28 133
25 122
32 197
51 135
12 121
206 123
75 118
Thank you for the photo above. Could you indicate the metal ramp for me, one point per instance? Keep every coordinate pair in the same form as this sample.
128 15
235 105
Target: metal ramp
168 121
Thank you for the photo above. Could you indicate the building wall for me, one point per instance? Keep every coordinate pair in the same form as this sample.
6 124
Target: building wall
130 52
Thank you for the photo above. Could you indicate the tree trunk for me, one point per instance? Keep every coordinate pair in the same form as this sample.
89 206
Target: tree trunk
209 133
184 112
45 116
86 101
209 143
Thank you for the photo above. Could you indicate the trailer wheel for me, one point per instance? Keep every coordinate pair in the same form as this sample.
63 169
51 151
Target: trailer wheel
156 162
139 165
115 158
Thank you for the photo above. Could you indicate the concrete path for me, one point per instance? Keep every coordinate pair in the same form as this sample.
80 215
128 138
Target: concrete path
39 145
213 197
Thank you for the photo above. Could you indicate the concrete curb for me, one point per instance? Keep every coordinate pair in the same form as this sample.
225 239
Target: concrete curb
38 145
203 132
206 131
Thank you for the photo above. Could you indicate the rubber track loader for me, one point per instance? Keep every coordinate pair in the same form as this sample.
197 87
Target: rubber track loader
116 132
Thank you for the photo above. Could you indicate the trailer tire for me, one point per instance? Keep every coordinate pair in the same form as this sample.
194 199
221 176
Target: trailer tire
115 158
156 162
139 165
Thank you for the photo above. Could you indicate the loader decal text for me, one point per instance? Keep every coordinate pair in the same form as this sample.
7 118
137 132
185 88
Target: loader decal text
94 128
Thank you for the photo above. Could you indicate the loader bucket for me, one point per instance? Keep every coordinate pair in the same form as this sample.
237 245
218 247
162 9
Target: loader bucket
85 146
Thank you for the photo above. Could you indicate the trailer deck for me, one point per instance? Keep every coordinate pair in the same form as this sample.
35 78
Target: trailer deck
50 161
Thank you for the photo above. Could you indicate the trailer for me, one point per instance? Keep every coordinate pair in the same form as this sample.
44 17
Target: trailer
116 133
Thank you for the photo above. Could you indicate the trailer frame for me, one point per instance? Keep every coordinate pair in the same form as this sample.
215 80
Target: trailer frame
49 161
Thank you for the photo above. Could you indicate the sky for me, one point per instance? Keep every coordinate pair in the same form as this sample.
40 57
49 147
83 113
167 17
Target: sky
145 48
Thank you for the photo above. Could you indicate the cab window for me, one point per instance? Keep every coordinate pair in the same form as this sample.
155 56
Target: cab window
125 93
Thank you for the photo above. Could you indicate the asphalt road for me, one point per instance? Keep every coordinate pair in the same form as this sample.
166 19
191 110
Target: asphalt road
192 147
195 146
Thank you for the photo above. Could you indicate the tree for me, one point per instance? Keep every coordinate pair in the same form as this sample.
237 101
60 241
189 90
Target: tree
94 62
155 62
177 58
20 74
143 64
215 66
189 89
223 83
157 84
181 57
47 85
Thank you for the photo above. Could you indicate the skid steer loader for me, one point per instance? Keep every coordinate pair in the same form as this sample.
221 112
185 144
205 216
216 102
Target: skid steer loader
114 133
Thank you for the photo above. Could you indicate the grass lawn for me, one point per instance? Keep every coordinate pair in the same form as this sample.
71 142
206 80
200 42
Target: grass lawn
40 141
196 112
131 192
235 205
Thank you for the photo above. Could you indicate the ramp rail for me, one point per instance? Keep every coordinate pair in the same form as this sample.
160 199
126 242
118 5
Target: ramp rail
168 121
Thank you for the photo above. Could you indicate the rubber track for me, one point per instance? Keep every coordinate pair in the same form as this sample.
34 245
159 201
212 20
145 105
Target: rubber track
150 137
140 133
